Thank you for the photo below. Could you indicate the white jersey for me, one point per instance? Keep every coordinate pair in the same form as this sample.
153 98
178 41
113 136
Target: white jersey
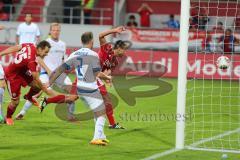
86 64
56 54
27 33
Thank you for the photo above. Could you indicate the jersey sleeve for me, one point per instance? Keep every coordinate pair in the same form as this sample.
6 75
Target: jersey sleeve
32 62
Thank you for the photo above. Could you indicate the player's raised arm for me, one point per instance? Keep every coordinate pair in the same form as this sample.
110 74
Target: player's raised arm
10 50
102 35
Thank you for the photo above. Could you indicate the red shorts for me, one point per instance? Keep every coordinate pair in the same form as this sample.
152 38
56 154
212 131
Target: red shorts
101 87
15 83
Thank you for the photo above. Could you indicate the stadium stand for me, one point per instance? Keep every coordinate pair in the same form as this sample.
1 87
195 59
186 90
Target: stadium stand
32 6
109 13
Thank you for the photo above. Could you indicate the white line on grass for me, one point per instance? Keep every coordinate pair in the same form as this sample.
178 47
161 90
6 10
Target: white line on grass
192 146
167 152
215 137
214 150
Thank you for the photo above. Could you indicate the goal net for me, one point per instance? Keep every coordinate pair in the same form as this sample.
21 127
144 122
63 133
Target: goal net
213 94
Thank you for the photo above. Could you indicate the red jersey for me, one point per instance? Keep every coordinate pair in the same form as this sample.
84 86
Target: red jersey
106 57
145 17
23 62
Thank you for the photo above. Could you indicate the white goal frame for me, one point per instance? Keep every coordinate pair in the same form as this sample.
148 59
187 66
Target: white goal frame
182 88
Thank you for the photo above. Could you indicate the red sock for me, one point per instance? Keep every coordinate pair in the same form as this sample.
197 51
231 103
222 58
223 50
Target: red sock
10 110
109 113
56 99
31 92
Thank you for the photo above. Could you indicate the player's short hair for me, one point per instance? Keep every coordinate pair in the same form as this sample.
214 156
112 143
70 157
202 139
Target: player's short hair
120 44
86 37
43 44
54 24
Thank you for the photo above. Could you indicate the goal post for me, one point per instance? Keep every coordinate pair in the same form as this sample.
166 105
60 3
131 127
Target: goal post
208 93
182 72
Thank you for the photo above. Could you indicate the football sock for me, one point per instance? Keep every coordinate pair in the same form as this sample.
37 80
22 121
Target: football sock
10 110
56 99
99 126
26 107
109 113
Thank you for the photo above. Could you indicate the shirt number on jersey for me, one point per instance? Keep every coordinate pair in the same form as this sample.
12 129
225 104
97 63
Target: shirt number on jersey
21 55
79 69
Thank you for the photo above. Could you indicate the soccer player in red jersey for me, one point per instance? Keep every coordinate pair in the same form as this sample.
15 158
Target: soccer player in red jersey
108 59
22 72
229 41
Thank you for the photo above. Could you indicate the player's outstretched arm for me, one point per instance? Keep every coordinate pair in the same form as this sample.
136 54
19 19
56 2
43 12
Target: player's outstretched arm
10 50
42 64
56 73
102 35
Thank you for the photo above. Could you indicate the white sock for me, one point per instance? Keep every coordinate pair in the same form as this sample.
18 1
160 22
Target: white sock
71 108
99 126
1 100
26 107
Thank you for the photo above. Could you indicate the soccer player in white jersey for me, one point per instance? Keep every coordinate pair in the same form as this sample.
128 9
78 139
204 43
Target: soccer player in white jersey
87 68
53 60
27 32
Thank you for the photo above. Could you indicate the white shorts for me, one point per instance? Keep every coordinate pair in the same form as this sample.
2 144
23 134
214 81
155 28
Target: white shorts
93 100
1 73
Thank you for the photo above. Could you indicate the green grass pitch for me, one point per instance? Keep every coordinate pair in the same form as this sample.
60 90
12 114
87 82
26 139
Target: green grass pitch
45 137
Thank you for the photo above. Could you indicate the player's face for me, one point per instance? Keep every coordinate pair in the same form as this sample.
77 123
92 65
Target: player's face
28 18
55 32
42 52
119 52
